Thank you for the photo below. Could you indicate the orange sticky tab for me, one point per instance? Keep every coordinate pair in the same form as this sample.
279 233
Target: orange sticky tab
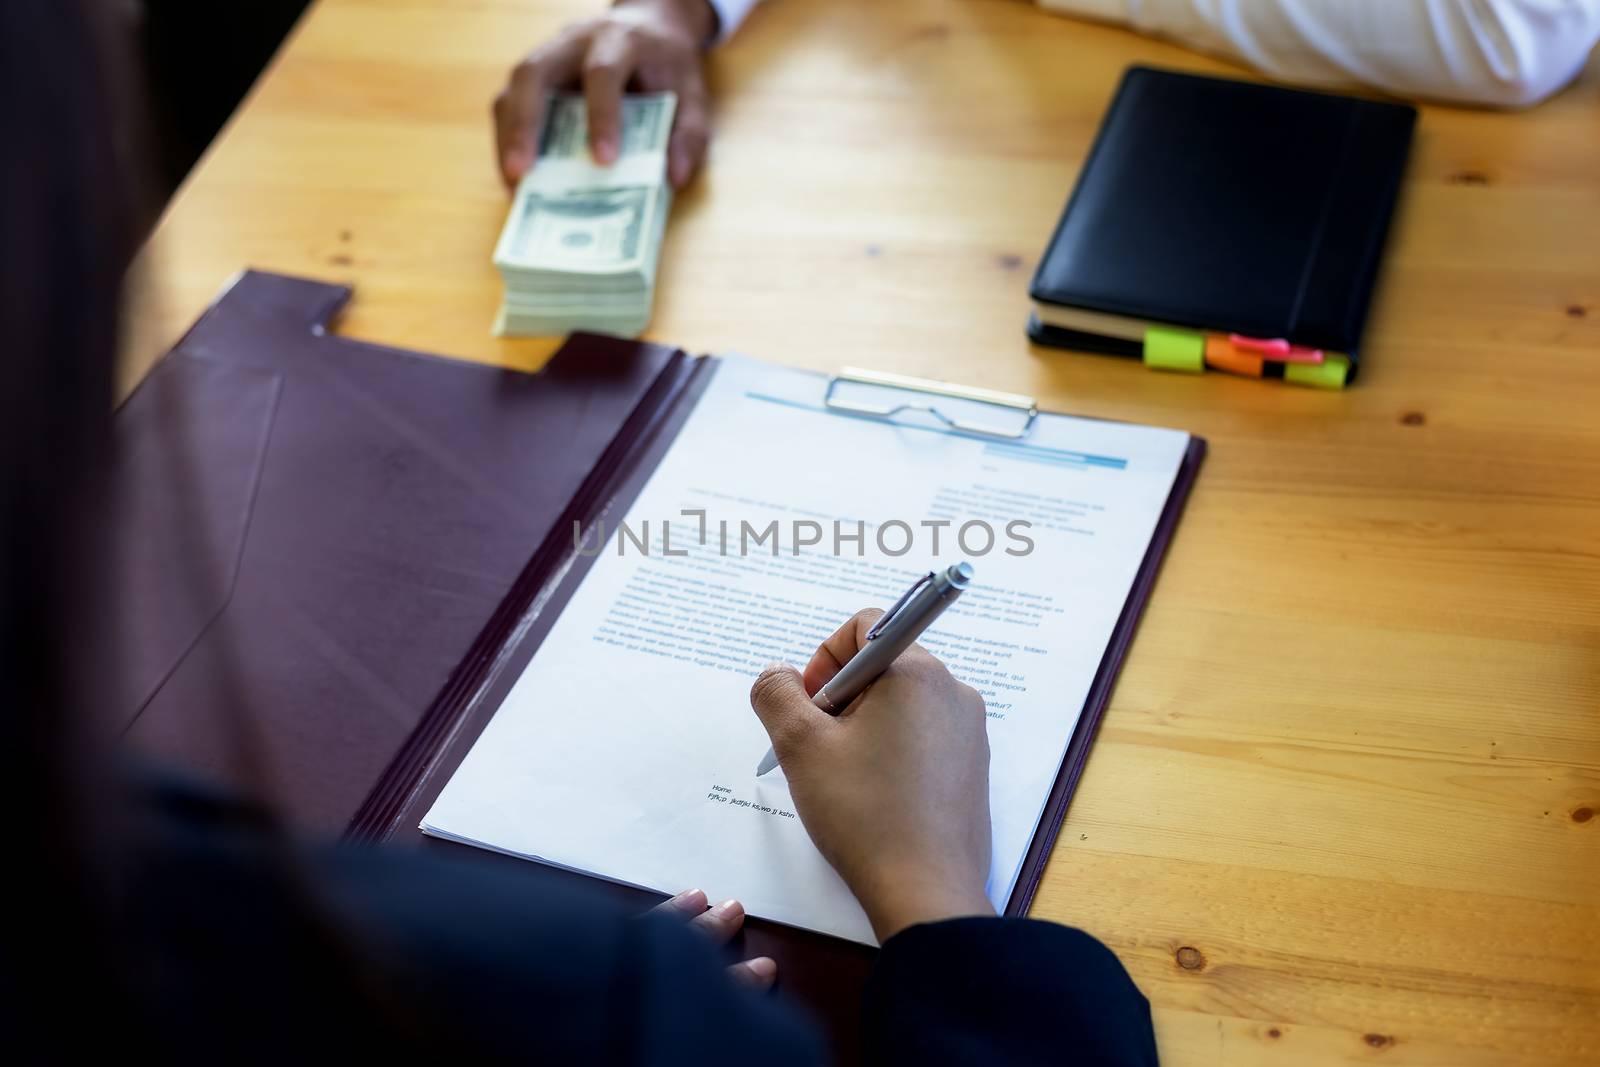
1222 355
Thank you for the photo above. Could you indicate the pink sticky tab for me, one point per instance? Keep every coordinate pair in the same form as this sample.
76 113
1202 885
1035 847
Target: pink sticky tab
1275 346
1276 349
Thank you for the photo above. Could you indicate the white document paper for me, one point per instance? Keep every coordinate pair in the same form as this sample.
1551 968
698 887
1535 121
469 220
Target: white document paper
627 749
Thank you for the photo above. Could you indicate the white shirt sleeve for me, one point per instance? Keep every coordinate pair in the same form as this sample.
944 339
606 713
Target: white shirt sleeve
729 14
1510 53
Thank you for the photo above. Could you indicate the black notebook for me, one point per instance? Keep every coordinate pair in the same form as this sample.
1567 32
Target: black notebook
1218 205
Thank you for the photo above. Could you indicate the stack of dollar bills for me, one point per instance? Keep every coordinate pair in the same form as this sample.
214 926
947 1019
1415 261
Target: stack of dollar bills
579 248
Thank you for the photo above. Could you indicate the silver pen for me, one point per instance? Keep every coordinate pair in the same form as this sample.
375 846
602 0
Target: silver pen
891 635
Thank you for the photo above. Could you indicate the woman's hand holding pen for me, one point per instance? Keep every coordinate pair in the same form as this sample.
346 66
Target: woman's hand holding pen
895 791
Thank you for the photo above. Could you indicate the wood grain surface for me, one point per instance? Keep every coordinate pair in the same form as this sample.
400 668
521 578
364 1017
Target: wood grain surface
1343 808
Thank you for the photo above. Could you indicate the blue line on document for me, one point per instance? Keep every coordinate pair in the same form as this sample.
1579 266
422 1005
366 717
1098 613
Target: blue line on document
1036 454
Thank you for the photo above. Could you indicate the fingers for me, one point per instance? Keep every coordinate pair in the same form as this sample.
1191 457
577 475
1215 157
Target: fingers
784 707
638 48
758 974
691 133
606 69
685 906
511 152
838 649
719 924
519 109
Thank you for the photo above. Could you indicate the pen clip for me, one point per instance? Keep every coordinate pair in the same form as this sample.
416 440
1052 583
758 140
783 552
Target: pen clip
1014 413
888 616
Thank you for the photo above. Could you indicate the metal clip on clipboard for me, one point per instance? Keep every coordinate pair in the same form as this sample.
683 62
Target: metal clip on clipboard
983 412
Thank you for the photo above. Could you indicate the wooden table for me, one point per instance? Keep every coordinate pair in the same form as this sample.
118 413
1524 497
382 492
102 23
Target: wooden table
1342 807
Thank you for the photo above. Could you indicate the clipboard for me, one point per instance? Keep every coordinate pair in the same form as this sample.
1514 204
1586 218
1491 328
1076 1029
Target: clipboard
334 510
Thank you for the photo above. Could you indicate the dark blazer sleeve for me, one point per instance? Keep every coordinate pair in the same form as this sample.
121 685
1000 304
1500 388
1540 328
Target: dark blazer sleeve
1004 991
248 948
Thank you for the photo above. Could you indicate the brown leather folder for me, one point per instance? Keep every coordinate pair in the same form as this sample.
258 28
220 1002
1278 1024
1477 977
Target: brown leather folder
335 558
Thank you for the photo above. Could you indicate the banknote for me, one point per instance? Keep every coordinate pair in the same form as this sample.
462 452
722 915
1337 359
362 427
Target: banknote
581 241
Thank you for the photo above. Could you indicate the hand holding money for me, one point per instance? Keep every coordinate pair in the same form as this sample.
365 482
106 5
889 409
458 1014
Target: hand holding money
580 245
650 45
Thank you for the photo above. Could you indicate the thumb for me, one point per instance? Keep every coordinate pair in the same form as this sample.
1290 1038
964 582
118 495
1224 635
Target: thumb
780 702
691 132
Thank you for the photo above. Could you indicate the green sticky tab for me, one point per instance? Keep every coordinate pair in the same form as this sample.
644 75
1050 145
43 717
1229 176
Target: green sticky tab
1179 350
1331 373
